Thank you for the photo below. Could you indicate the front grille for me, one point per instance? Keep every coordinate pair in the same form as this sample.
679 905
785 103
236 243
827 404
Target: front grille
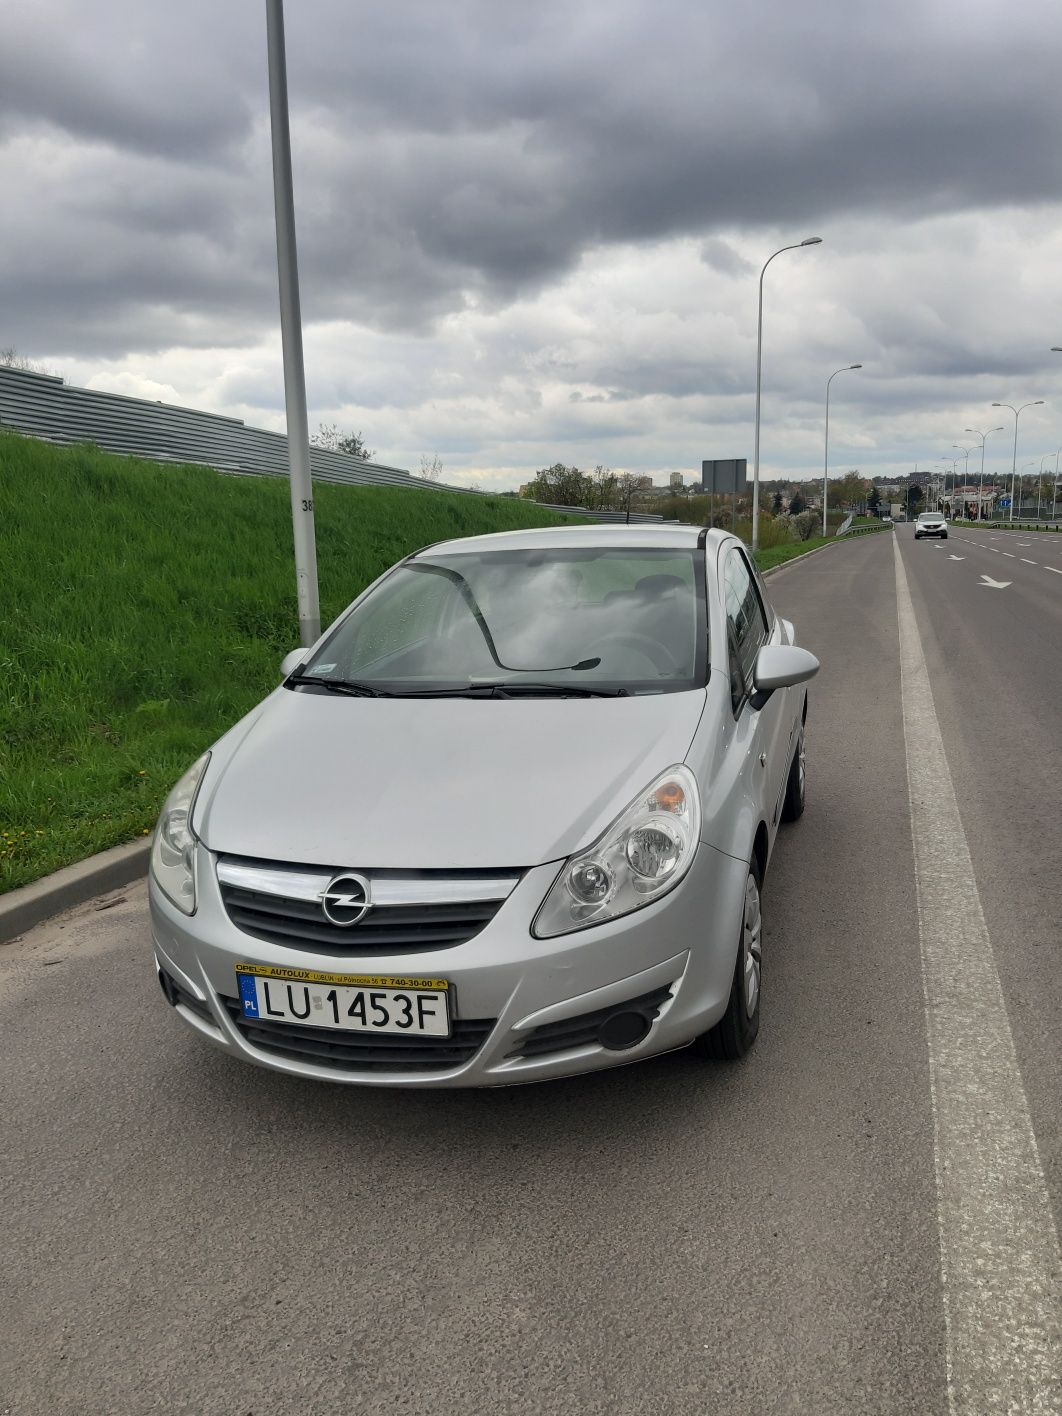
386 929
363 1052
582 1031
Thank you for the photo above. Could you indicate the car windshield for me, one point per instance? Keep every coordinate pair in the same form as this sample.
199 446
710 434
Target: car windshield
626 620
930 516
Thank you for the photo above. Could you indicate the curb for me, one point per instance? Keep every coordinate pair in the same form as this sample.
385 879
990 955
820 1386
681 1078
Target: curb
799 560
21 909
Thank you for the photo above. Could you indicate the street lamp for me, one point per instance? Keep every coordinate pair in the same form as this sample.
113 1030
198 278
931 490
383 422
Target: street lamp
1054 484
808 241
1014 463
966 464
300 478
826 460
954 478
981 484
953 461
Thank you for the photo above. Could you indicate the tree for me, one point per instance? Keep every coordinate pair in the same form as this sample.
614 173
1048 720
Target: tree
431 467
12 359
796 504
776 503
331 439
561 486
626 486
602 490
914 495
873 501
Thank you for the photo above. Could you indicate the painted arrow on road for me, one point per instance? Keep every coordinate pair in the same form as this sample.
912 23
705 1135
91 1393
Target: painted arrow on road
956 558
986 580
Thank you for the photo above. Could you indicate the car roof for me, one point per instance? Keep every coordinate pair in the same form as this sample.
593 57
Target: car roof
644 537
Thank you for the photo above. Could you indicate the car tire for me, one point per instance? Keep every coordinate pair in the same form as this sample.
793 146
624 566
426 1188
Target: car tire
795 784
735 1032
917 536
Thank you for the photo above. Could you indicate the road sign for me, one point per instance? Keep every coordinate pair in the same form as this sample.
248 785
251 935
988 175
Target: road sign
1003 503
724 476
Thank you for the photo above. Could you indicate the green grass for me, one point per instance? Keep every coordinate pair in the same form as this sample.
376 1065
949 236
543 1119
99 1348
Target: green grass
769 556
143 609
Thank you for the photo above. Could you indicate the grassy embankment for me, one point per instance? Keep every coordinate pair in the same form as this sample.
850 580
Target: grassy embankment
144 609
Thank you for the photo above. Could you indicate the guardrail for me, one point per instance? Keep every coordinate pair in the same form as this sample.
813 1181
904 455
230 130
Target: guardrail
46 406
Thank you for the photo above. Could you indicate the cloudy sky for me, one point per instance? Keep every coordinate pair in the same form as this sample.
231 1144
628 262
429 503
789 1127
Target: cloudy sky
531 234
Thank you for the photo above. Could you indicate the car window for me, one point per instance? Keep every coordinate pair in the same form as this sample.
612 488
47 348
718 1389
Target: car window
746 624
622 618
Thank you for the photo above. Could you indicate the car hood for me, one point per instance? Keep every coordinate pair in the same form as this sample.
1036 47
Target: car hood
437 783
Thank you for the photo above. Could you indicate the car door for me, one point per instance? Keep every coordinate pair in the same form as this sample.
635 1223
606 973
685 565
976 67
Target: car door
761 733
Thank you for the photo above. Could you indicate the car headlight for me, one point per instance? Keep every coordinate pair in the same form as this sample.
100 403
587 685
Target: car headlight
173 849
643 854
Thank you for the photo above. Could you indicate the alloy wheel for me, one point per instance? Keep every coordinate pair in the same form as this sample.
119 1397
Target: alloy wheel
750 945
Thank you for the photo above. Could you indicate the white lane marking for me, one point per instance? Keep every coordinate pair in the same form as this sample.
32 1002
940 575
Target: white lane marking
1025 544
1054 569
1009 553
956 558
1025 561
993 550
987 583
998 1246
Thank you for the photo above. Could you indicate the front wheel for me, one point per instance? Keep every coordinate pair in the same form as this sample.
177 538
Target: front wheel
735 1032
793 801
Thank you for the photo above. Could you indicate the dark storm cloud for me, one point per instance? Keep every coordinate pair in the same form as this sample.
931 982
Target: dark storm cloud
473 151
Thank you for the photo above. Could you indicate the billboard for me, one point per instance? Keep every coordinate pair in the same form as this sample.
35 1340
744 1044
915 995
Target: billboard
725 475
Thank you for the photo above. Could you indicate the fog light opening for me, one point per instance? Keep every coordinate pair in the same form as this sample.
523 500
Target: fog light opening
169 988
624 1029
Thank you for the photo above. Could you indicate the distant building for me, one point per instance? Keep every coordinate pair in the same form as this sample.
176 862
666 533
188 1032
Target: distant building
676 481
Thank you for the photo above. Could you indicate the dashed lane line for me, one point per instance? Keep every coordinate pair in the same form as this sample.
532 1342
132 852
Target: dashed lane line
999 1250
1025 561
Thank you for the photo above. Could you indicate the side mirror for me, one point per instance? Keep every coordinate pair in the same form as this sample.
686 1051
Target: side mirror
291 662
780 666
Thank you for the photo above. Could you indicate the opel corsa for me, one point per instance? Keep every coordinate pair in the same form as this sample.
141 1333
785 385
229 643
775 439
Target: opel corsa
507 820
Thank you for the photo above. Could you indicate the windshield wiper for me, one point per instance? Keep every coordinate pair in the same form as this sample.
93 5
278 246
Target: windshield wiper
344 686
516 690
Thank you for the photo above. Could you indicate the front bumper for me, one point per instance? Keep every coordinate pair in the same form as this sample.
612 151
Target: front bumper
679 952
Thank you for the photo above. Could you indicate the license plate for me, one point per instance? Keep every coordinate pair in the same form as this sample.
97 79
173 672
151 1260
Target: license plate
345 1002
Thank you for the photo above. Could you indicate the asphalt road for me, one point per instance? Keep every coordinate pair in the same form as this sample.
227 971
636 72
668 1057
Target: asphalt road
185 1234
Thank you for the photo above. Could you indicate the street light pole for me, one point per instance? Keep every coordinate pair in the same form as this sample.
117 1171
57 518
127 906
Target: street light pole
826 460
291 334
981 484
966 464
1014 464
808 241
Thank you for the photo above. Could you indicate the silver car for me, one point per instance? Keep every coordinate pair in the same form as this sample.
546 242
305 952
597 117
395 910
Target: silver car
508 819
931 523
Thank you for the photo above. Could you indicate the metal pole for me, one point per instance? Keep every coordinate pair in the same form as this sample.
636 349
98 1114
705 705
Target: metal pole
810 241
826 457
1014 465
291 334
1054 487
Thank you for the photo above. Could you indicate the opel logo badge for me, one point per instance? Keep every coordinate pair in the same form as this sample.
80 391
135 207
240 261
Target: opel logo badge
347 900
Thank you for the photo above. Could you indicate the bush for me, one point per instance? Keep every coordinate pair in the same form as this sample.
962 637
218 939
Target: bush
804 524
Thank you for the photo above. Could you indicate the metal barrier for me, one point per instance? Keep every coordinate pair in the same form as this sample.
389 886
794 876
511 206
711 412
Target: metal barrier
45 406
